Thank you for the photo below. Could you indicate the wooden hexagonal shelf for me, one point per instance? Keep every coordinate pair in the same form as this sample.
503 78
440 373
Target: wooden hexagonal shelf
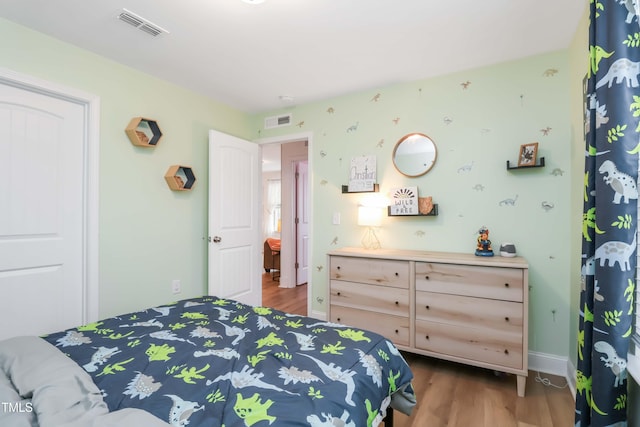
143 132
180 178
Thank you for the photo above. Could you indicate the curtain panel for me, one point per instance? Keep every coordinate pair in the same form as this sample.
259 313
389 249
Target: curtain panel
612 143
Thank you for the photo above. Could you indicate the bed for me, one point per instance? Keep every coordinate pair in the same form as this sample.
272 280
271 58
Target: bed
204 361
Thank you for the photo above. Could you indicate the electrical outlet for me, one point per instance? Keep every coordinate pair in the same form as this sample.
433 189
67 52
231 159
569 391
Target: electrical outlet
176 286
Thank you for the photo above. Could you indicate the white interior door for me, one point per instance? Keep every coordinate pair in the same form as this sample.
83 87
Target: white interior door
235 248
302 222
41 213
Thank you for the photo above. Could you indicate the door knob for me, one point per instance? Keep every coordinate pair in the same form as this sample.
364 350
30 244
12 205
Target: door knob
217 239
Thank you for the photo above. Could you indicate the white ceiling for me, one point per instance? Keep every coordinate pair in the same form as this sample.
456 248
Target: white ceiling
247 56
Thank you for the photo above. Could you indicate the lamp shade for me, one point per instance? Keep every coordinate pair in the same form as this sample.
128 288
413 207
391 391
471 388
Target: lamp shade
369 216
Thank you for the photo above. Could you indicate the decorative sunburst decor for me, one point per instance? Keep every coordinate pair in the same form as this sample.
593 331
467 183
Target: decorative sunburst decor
405 193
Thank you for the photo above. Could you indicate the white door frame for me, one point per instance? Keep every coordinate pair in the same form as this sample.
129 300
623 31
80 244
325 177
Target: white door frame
91 157
308 136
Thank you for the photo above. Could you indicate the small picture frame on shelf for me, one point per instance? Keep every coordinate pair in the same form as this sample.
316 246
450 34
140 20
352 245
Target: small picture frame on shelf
528 154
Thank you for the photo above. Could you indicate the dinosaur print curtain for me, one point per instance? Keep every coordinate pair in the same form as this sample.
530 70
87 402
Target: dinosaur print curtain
612 130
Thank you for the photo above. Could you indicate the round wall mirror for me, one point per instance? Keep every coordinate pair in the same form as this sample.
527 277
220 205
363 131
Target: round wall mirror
414 154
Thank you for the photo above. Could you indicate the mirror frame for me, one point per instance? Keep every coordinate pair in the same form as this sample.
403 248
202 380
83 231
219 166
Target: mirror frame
426 139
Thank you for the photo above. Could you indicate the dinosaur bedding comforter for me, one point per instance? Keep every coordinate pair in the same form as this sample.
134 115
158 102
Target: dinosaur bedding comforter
217 362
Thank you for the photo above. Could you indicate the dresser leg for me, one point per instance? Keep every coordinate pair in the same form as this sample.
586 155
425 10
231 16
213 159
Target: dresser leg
522 384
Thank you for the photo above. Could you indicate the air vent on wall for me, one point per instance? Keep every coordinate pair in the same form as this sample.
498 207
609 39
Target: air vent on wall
277 121
141 23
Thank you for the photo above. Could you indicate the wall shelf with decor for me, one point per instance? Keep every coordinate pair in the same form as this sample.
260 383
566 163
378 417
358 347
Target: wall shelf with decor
180 178
539 164
376 188
433 212
143 132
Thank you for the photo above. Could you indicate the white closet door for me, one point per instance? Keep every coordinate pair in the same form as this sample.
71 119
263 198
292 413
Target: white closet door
41 212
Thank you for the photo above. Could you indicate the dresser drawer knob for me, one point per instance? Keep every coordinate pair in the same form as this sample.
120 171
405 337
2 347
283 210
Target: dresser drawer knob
397 331
426 337
397 274
506 351
338 319
506 285
397 303
338 267
426 277
338 293
506 319
427 307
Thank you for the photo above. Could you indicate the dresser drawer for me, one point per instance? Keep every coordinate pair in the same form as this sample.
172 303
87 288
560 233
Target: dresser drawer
487 282
504 316
495 347
394 328
369 270
381 299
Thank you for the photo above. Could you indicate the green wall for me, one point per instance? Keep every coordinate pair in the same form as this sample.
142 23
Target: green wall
476 130
149 235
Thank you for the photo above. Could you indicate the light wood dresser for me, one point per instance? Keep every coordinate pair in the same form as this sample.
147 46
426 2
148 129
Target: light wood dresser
454 306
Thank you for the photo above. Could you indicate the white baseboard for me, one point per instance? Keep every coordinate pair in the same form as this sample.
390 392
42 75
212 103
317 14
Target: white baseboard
554 365
321 315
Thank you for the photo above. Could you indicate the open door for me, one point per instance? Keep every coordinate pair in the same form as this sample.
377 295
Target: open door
302 222
234 219
292 155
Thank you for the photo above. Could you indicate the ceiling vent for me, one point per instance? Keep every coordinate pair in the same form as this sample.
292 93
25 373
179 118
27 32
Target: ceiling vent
141 23
277 121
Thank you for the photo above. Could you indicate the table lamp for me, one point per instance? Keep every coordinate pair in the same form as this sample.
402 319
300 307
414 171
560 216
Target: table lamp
370 217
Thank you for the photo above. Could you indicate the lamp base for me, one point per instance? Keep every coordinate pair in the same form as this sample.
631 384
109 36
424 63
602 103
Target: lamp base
370 239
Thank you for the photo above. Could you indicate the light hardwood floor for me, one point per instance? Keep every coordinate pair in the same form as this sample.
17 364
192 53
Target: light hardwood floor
291 300
454 395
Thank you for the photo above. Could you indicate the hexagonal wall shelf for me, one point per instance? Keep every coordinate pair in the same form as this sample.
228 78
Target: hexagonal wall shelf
180 178
143 132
